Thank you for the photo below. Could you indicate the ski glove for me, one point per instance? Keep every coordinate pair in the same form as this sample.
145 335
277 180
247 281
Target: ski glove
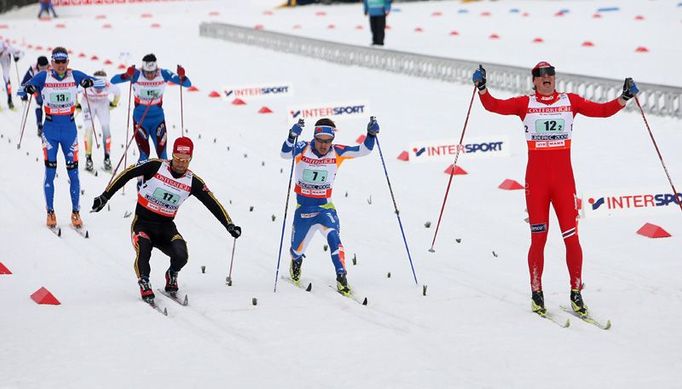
100 202
79 107
30 89
181 73
87 83
479 78
112 105
296 129
235 231
629 89
130 72
372 126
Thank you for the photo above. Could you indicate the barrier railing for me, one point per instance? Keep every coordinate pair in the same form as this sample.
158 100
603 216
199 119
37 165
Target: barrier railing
656 99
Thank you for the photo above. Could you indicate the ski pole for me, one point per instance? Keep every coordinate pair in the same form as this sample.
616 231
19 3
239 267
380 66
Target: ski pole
182 116
286 206
125 152
660 157
395 207
229 276
125 155
92 120
452 171
24 120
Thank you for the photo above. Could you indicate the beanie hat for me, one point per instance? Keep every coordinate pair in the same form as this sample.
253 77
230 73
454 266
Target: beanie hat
183 145
324 130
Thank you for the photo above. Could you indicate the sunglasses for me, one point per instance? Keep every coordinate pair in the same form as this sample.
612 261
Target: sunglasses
59 60
181 160
324 141
539 72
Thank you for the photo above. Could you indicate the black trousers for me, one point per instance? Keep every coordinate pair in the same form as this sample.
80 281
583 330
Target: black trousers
162 235
378 26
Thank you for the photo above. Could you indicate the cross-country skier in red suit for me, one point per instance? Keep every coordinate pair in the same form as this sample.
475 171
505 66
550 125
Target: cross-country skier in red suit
548 116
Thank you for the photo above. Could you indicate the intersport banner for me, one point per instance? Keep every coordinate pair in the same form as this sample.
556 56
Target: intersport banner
446 150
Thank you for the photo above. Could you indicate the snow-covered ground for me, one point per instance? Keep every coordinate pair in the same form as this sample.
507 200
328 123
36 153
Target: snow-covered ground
474 328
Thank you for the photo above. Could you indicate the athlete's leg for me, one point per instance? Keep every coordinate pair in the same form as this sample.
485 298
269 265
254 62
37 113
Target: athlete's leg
159 138
566 208
69 143
142 243
537 203
303 229
142 140
330 220
173 244
50 148
87 138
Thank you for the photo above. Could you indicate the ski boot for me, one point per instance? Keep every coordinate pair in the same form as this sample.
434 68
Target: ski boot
40 130
171 282
342 284
51 219
577 303
295 270
146 289
10 103
537 303
76 219
89 166
107 163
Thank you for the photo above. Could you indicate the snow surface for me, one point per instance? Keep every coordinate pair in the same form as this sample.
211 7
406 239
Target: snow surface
474 328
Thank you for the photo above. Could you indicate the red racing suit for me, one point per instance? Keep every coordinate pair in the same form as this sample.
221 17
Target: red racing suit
548 122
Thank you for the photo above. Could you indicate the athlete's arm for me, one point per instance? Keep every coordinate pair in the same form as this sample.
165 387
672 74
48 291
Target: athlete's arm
593 109
288 145
146 169
170 76
201 192
365 148
513 106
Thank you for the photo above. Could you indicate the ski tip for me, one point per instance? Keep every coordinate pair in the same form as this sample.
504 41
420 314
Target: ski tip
364 302
310 287
608 325
567 324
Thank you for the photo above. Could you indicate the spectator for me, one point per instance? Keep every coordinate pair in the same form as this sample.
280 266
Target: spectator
377 11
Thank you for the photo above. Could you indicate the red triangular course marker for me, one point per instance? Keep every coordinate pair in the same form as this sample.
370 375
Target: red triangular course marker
510 185
214 94
238 101
653 231
192 89
43 296
4 269
264 109
404 156
454 170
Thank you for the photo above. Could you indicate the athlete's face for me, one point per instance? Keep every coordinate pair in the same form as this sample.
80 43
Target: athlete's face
60 65
544 84
323 144
149 75
180 163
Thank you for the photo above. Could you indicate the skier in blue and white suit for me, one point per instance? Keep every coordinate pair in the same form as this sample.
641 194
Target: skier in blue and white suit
316 165
58 88
148 117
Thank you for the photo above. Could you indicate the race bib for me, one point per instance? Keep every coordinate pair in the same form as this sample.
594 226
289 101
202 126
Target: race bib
314 176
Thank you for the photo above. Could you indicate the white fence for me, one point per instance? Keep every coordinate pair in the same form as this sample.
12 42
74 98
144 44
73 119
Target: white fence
656 99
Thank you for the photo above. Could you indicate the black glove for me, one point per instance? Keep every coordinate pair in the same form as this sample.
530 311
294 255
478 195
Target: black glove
479 78
29 89
79 107
296 130
87 83
100 202
235 231
372 126
629 89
